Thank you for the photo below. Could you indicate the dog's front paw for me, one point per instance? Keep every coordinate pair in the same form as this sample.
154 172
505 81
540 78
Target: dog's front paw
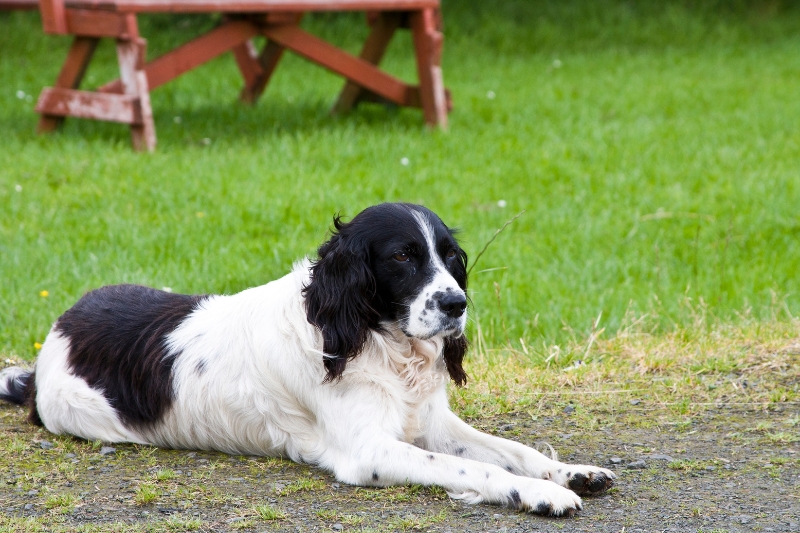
544 498
585 479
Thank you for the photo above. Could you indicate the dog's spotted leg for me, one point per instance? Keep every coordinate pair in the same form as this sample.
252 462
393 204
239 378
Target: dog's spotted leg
446 433
392 462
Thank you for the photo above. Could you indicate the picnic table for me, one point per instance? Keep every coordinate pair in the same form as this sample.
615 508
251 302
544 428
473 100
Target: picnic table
127 99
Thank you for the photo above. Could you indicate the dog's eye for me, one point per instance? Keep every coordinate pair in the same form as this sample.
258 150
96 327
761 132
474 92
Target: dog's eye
400 256
451 254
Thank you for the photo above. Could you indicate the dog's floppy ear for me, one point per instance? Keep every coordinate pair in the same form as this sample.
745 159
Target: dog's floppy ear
453 354
456 347
339 298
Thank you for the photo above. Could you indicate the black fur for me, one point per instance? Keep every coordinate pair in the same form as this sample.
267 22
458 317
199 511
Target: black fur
16 389
117 345
21 390
356 285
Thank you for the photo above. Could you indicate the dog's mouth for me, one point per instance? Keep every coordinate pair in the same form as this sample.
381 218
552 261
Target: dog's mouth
446 327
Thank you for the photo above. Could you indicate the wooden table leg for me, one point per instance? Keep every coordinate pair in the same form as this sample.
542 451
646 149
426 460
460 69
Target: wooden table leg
428 48
256 68
78 58
131 55
374 48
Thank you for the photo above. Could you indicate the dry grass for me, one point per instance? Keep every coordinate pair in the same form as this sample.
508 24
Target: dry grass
749 363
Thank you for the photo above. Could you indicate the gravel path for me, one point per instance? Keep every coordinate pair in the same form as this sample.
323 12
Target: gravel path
727 470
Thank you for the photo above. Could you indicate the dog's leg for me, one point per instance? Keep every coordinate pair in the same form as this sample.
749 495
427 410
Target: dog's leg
446 433
383 461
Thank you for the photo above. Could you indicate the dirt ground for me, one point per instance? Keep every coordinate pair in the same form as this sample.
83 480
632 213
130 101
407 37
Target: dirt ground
727 469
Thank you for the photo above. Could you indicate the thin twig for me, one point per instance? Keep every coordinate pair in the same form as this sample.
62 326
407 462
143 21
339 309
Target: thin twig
496 233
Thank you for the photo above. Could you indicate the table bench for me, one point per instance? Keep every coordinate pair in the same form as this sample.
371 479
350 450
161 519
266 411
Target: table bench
127 99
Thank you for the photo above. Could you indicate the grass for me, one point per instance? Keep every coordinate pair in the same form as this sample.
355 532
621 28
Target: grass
652 146
146 493
268 512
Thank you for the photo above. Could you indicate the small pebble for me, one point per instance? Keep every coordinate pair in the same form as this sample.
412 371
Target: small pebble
507 427
106 450
497 516
337 527
33 492
46 445
635 402
660 457
637 464
336 486
69 455
615 460
28 506
569 409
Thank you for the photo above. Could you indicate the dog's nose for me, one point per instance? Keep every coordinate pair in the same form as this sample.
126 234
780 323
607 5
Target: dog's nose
452 303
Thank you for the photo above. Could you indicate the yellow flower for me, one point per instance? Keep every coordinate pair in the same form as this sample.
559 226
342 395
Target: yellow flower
37 345
44 294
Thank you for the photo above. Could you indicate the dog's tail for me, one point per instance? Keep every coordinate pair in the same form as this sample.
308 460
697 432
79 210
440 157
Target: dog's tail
13 383
18 386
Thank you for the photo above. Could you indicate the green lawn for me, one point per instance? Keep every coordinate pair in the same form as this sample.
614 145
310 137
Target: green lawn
654 147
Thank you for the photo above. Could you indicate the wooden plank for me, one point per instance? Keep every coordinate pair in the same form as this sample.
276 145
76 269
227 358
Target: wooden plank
53 16
353 68
428 49
267 61
383 28
131 58
246 57
101 24
11 5
192 54
250 6
87 104
70 76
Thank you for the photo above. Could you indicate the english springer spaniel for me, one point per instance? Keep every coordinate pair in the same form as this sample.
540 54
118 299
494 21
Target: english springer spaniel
342 363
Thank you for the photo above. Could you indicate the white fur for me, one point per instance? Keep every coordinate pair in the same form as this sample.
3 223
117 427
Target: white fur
248 379
67 404
422 324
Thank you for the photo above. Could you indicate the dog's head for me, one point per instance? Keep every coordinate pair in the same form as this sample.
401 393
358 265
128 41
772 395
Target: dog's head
393 264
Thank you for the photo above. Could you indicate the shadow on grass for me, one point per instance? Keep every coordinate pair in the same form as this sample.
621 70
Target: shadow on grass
227 121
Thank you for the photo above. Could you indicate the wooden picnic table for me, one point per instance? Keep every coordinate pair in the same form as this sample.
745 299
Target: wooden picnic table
127 99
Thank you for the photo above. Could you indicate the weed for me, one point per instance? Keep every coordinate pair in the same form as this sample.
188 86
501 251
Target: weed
164 474
267 512
302 484
62 502
178 524
783 437
146 493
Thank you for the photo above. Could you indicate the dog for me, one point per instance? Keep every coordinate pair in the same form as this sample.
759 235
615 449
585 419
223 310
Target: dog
342 363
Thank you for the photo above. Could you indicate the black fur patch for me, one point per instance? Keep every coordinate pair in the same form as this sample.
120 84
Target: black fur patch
16 389
117 345
514 498
578 482
21 390
544 508
30 401
375 476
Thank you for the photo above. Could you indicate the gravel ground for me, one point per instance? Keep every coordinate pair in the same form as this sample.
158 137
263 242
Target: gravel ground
725 470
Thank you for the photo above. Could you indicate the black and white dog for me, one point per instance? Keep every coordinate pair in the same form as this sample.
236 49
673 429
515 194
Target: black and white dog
342 363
